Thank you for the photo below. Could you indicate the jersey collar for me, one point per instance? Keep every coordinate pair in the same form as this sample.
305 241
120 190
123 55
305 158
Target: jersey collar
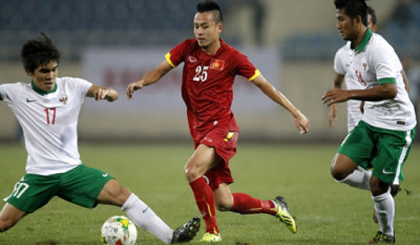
364 41
42 92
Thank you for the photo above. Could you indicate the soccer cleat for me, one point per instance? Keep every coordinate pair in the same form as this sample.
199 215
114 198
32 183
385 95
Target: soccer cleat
283 214
187 231
211 237
382 238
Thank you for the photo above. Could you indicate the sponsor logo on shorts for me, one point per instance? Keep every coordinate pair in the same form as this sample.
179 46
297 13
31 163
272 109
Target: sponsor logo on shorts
29 101
208 139
144 211
386 172
104 175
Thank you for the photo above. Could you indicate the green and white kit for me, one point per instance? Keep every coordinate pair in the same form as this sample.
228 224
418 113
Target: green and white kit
383 137
49 122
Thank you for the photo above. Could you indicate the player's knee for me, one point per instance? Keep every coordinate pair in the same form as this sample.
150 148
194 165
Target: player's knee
5 225
188 172
378 187
375 190
342 166
223 205
192 173
338 175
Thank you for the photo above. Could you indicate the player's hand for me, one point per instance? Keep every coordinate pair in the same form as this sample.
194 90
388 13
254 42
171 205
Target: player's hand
332 116
100 93
334 96
302 123
105 93
133 87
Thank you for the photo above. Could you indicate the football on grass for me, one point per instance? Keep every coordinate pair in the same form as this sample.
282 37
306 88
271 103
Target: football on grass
119 230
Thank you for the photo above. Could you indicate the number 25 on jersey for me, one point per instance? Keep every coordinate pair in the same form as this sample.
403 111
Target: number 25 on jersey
201 73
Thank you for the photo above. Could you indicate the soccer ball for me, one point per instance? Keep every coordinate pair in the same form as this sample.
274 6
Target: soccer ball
118 230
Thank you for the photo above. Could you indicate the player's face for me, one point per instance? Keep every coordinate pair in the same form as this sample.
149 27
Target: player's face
206 30
45 75
345 25
371 26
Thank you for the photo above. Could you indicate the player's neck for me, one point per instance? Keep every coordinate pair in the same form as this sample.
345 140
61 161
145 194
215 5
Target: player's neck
356 42
212 48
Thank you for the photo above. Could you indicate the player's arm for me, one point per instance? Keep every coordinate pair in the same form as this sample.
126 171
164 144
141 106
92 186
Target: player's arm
338 81
99 93
406 82
301 122
362 106
381 92
150 78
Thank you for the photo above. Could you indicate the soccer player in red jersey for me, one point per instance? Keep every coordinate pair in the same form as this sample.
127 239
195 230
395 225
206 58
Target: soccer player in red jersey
210 66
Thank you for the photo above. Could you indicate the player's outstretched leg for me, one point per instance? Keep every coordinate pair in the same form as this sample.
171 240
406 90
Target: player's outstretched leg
284 215
382 238
187 231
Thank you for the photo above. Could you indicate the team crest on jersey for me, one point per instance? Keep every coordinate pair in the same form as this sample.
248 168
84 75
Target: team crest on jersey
217 65
63 99
364 66
192 59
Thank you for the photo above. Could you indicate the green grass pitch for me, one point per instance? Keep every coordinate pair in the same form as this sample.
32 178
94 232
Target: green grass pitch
326 212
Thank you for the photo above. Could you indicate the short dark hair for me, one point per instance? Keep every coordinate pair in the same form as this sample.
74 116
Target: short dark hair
38 52
353 8
372 13
209 5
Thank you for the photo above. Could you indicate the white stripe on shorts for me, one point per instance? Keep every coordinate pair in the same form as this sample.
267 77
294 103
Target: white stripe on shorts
402 157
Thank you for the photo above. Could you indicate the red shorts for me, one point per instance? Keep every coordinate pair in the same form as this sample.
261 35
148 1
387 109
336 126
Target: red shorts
224 143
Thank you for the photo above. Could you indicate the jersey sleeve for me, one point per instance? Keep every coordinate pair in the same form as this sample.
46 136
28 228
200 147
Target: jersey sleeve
84 86
177 55
79 86
245 68
399 65
339 65
9 92
383 60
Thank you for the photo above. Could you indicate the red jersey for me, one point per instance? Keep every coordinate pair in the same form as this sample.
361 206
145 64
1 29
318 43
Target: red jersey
207 83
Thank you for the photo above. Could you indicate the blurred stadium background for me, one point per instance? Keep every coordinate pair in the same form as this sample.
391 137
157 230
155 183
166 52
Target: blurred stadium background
114 43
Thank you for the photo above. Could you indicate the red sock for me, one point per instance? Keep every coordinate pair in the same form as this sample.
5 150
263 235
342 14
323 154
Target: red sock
204 198
245 204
